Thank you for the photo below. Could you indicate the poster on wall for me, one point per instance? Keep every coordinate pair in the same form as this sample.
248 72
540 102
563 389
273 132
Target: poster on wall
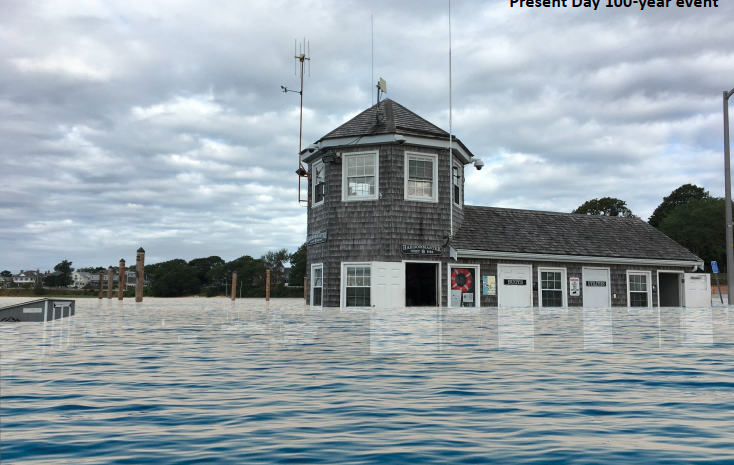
462 283
489 285
575 286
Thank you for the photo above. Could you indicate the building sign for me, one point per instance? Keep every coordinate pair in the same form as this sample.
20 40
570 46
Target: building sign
316 237
468 297
413 249
489 285
575 284
32 310
596 284
515 282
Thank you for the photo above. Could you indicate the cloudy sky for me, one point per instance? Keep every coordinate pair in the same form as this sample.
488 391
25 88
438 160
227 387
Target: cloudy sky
161 123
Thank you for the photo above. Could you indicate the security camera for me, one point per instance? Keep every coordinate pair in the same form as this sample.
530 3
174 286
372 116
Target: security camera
400 139
311 148
478 164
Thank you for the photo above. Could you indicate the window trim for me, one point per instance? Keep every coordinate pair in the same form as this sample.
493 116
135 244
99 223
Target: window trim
313 267
345 180
564 285
343 284
460 167
314 166
477 286
434 191
649 286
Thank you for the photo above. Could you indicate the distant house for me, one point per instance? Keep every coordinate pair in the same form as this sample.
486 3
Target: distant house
130 280
25 277
80 279
286 274
5 281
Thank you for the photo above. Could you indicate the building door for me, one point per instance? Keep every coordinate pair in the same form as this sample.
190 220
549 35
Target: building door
421 284
596 287
388 284
670 289
697 290
514 288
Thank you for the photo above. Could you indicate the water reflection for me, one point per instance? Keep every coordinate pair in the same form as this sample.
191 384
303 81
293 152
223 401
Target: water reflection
296 327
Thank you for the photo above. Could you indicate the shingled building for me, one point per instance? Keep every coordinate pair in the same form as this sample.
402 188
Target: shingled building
388 227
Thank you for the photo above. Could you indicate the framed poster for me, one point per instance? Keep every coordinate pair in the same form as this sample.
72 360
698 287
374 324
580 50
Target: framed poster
575 284
489 285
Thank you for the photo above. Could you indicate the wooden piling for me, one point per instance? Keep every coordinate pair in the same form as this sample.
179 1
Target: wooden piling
234 286
121 281
101 283
305 287
267 285
140 269
110 281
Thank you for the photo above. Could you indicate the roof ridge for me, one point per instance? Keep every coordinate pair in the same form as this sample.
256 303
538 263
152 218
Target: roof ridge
546 212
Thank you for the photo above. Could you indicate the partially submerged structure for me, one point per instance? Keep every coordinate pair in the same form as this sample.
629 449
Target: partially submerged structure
388 227
38 310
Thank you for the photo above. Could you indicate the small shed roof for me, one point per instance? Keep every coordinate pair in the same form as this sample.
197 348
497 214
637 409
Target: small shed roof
525 231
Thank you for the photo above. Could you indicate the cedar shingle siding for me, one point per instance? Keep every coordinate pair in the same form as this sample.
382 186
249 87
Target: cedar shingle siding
374 230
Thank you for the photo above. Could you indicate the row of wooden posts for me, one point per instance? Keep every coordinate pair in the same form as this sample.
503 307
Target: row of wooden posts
140 268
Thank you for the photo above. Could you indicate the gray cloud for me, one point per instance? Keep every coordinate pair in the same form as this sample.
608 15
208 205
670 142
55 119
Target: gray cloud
161 123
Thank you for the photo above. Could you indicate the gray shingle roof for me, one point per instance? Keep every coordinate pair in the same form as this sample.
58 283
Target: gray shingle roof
387 117
525 231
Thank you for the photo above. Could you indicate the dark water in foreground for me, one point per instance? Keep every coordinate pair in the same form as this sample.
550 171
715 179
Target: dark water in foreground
200 381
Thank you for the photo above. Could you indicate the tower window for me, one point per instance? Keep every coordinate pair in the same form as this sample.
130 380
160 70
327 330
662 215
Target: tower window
457 186
318 183
420 177
360 176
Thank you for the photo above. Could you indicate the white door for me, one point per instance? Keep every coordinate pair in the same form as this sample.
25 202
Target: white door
596 288
697 290
515 286
388 284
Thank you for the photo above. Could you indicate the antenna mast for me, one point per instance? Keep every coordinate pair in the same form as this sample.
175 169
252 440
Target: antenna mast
302 54
451 132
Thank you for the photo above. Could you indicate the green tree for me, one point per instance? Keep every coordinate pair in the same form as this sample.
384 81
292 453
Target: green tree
298 265
683 194
157 270
203 265
176 282
700 226
606 206
38 288
273 261
6 274
64 278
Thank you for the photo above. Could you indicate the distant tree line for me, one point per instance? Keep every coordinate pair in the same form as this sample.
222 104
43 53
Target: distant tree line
689 216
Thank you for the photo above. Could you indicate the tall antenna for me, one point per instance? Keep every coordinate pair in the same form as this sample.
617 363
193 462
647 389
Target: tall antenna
372 76
303 56
451 132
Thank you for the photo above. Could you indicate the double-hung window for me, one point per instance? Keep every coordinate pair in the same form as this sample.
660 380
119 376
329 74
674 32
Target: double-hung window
358 285
317 284
456 181
317 180
421 173
637 286
552 287
360 174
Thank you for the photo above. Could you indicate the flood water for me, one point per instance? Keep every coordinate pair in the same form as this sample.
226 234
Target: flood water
190 381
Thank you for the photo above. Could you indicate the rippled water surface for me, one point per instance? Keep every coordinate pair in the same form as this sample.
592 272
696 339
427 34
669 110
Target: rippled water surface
205 381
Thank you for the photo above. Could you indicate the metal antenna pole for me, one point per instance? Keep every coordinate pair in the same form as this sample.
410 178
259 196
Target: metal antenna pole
727 188
451 132
372 76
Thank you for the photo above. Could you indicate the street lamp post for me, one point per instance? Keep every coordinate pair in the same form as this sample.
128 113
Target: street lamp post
727 191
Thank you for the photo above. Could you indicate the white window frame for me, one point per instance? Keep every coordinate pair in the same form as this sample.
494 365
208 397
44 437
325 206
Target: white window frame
461 177
564 285
343 285
313 267
477 284
345 180
314 167
583 284
649 286
433 158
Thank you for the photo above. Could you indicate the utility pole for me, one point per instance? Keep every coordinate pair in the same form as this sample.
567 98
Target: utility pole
727 190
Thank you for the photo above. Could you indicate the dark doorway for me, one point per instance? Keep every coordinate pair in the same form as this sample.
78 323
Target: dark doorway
421 288
669 289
